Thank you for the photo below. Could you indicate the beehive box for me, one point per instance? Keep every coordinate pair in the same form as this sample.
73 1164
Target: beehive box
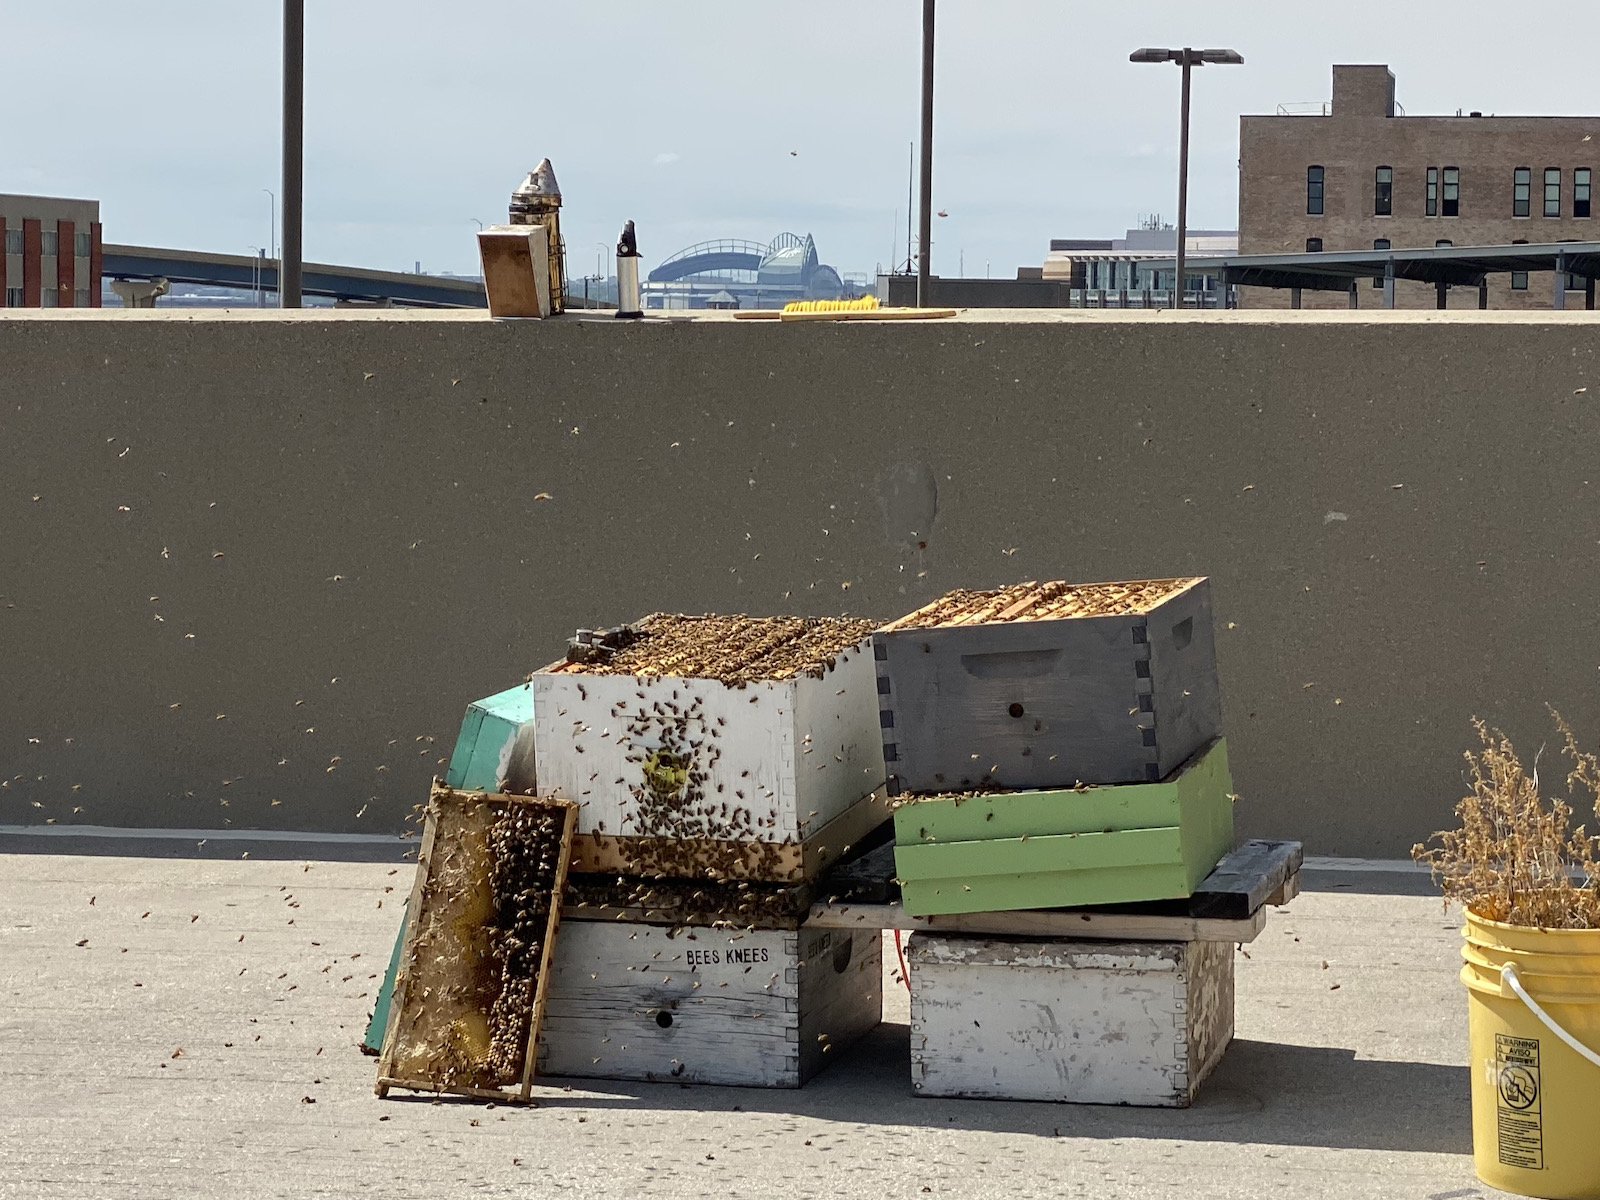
1048 685
495 746
716 746
997 852
1138 1023
768 1008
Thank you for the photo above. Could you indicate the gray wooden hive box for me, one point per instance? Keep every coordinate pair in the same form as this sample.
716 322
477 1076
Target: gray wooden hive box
1048 685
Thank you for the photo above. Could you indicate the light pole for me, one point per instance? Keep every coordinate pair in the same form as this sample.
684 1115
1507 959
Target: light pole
1185 58
272 224
925 217
258 255
294 113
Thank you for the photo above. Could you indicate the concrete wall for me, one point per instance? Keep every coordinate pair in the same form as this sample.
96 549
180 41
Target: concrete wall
344 511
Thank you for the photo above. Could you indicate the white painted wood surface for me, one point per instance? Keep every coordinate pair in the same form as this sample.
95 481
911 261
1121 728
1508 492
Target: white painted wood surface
1138 1023
767 1008
1052 923
799 750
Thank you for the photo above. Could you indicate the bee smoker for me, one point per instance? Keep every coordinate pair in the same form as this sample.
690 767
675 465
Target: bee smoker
628 274
537 201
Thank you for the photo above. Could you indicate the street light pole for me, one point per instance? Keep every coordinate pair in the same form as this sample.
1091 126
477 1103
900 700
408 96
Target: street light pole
294 89
272 223
1183 185
1185 58
925 217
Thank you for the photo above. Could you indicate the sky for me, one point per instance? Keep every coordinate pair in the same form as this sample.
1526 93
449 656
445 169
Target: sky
707 119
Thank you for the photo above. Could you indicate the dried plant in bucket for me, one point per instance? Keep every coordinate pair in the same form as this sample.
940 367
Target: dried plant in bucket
1516 857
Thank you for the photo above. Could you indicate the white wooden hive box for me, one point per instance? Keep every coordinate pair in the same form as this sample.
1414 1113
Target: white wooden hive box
768 1008
791 753
1138 1023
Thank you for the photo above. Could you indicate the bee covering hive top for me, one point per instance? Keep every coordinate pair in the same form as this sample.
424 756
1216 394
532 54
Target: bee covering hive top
731 649
1042 602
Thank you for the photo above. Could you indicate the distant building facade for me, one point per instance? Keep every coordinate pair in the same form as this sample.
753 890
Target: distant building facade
1359 174
52 252
1117 272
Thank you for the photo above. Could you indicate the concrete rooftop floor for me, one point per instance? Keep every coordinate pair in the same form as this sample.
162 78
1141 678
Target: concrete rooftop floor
1348 1077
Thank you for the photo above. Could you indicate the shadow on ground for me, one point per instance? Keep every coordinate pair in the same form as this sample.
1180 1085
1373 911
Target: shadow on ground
1263 1093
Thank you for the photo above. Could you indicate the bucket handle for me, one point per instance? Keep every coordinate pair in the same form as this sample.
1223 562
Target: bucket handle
1508 977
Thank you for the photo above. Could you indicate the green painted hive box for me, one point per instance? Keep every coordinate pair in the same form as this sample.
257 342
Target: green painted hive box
496 745
1004 851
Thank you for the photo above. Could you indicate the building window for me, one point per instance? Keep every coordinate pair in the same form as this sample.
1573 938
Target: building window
13 297
1521 191
1452 192
1313 245
1379 244
82 245
1580 192
1314 182
1442 243
80 298
47 298
13 241
47 243
1431 209
1552 191
1383 193
1519 279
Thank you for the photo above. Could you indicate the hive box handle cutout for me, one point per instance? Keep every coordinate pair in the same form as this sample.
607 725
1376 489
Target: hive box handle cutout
1011 664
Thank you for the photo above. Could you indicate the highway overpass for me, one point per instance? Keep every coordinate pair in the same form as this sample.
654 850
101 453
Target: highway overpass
320 279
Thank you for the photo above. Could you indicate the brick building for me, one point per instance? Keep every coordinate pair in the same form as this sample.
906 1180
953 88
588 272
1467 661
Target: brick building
1361 175
51 253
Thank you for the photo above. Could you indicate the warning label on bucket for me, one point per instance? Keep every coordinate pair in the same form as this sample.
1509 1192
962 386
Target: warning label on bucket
1516 1062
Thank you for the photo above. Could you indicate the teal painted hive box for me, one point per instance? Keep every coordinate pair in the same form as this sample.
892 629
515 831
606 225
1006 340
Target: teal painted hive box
496 745
1066 848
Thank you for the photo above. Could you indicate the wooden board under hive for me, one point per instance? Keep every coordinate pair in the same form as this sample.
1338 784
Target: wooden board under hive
480 931
1138 1023
1061 848
764 1009
716 746
1048 685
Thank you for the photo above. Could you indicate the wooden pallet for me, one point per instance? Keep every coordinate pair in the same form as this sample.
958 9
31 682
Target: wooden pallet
443 992
1229 905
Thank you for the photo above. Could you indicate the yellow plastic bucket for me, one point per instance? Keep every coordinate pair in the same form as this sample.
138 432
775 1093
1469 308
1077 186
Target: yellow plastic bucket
1533 1001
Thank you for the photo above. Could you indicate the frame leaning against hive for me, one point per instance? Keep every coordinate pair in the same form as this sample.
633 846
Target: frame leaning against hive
449 829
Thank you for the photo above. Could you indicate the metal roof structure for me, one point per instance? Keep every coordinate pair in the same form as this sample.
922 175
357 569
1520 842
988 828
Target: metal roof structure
319 279
1443 266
